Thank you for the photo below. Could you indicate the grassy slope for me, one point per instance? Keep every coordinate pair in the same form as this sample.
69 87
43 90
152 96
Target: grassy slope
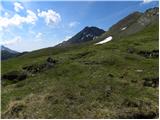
73 89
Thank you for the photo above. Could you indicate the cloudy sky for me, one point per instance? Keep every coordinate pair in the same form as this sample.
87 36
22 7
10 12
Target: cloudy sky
31 25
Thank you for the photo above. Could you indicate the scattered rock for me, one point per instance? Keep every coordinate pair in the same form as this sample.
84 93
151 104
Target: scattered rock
151 82
134 81
149 54
110 75
108 91
36 68
130 50
50 60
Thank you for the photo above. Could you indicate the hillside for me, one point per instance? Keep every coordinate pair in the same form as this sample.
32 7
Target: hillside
117 79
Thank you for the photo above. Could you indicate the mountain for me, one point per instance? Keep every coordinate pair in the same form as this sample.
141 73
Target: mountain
132 24
115 80
3 48
85 35
7 53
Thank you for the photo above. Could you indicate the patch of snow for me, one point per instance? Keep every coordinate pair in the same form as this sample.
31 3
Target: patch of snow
105 40
123 28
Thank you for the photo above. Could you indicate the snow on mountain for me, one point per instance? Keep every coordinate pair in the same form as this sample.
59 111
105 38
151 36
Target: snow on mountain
105 40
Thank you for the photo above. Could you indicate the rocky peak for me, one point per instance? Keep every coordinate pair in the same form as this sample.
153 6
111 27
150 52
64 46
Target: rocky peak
152 11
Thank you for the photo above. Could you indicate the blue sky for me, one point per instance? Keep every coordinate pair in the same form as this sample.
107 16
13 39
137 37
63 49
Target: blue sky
31 25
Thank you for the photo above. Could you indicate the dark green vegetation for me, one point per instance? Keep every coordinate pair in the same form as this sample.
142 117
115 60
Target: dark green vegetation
118 79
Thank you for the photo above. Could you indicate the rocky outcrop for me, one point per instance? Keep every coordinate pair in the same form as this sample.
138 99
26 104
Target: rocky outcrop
151 82
149 54
36 68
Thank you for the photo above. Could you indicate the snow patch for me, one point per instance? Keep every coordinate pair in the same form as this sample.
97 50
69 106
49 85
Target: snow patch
123 28
105 40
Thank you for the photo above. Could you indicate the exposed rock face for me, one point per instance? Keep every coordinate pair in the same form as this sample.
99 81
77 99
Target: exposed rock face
149 16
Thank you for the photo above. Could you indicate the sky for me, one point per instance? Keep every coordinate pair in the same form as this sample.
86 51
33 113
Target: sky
32 25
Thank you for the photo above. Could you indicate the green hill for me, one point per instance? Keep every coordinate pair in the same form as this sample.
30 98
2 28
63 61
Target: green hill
118 79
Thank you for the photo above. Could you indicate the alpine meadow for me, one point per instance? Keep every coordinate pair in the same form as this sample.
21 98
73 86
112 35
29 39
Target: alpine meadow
97 72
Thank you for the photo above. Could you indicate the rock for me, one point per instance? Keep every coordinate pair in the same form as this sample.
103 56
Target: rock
151 82
108 91
110 75
149 54
130 50
50 60
37 68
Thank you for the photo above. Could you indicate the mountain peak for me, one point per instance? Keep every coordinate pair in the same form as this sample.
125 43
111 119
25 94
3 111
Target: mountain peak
152 11
86 34
3 48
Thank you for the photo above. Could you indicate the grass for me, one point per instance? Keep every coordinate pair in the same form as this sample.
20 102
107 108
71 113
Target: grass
79 86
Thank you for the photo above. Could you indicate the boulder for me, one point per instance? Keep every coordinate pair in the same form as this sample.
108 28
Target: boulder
50 60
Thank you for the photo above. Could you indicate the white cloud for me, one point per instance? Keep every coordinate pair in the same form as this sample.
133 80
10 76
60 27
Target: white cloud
66 38
73 24
146 1
39 35
11 42
18 6
31 17
50 16
6 14
17 20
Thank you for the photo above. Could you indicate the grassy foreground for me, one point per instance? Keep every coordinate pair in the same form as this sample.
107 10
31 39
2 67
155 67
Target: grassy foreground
88 81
